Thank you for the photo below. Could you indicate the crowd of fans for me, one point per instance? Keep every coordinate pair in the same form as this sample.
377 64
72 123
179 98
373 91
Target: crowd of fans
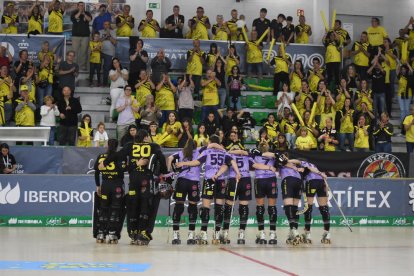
323 108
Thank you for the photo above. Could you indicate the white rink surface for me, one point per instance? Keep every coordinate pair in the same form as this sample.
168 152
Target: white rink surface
366 251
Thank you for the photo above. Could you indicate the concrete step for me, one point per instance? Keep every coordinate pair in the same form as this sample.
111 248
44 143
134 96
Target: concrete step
92 90
93 99
96 107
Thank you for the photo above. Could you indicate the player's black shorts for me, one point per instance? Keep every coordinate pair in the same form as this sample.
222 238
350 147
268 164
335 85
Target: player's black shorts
316 186
244 189
185 187
291 187
265 187
214 189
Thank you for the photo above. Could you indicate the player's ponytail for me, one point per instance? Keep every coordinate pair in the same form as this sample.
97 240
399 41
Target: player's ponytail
112 146
188 149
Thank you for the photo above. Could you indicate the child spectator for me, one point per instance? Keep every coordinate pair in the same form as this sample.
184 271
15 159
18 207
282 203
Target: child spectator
85 132
95 59
49 112
281 144
290 129
201 138
304 141
101 137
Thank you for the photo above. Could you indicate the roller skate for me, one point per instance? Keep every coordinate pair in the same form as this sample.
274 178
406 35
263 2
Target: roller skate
191 238
176 237
293 238
133 234
272 237
216 238
241 237
261 237
202 238
326 238
112 238
100 238
306 237
143 238
224 238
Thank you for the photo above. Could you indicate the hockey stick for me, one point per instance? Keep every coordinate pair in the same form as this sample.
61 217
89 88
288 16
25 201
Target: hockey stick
306 207
339 207
234 202
169 218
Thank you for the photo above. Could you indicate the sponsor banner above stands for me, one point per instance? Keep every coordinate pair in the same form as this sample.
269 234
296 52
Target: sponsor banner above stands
176 50
359 164
33 45
60 200
38 160
74 160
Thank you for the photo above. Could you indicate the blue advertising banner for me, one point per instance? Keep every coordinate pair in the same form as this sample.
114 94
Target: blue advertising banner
38 160
59 195
40 195
33 44
176 50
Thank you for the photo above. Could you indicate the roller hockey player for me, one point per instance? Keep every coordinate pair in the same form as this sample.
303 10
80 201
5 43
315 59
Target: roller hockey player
239 190
315 185
213 159
110 196
187 185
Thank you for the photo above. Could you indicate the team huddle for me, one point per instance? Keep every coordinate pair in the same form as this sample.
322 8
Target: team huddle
226 180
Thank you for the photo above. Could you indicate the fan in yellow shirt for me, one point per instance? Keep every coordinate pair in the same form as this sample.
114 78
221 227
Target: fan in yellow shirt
195 60
409 131
364 96
56 11
200 25
201 138
144 87
173 128
232 25
304 141
296 77
376 34
10 19
271 126
303 31
361 143
220 30
164 96
315 75
149 26
210 89
36 16
254 55
125 22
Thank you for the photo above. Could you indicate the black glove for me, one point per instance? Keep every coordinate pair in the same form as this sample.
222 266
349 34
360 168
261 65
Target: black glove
255 152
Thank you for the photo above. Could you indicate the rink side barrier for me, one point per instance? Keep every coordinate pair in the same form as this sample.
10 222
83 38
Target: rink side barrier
66 200
75 160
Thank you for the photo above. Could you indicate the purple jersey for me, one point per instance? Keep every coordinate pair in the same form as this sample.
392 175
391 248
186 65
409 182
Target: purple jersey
190 173
266 161
213 159
310 175
285 172
244 163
